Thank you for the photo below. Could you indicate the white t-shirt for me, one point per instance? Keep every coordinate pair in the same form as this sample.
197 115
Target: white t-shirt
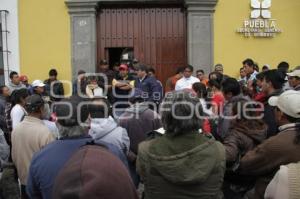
185 83
17 114
52 128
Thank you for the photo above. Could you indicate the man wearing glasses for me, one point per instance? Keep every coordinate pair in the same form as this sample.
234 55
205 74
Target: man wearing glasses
187 80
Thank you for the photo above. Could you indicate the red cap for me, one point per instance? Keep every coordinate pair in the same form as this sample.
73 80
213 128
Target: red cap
123 67
23 78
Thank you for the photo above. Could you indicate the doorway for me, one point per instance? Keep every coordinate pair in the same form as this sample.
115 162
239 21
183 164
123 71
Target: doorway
119 55
157 33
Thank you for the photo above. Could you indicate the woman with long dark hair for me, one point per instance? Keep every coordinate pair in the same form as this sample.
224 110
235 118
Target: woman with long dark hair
18 111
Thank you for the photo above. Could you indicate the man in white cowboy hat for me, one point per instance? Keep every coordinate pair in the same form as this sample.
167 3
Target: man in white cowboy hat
294 79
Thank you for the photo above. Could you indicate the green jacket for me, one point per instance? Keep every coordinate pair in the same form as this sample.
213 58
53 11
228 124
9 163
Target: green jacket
187 166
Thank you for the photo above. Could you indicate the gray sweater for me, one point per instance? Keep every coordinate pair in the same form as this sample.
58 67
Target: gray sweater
13 86
107 130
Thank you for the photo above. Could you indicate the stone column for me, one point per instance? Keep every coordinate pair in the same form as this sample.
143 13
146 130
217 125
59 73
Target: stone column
200 33
83 35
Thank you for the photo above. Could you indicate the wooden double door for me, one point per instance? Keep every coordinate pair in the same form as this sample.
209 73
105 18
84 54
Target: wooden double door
157 35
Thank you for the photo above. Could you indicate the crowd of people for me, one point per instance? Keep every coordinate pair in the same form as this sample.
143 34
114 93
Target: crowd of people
121 133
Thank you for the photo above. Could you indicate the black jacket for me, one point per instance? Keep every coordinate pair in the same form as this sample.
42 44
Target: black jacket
269 116
58 89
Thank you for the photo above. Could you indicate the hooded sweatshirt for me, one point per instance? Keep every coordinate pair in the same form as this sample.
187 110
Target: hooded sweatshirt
187 166
13 86
107 130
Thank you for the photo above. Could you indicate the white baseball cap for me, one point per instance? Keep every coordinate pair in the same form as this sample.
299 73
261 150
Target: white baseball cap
295 73
288 102
37 83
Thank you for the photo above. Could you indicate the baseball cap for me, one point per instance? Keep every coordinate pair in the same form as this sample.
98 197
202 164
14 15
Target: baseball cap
123 67
37 83
295 73
33 102
288 103
93 172
23 78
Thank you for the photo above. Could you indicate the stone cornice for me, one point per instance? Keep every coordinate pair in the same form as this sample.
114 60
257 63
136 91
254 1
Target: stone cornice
201 5
82 6
91 5
87 6
142 1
